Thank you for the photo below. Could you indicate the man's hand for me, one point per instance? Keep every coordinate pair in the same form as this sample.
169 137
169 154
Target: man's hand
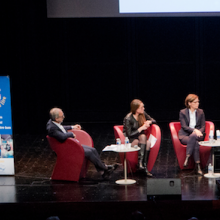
74 136
77 127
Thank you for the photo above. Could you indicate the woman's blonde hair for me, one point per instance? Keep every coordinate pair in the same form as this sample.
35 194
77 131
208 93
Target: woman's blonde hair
135 104
190 98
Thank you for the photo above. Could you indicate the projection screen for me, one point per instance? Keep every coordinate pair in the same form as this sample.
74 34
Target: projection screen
131 8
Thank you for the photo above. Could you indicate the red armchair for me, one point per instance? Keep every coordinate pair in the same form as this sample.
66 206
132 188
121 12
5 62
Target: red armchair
71 163
180 149
132 157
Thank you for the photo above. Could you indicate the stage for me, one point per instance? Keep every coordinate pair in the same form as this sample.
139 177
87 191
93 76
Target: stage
30 194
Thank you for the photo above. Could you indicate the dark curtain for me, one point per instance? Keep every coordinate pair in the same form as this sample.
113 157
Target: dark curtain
93 67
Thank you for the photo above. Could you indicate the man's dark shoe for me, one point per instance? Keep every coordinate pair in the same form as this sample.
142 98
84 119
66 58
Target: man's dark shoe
107 173
113 167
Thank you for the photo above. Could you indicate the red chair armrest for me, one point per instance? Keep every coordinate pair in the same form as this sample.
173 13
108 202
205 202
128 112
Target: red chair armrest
83 137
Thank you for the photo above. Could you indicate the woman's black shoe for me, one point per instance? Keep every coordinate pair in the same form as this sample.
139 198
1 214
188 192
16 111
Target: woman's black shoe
149 174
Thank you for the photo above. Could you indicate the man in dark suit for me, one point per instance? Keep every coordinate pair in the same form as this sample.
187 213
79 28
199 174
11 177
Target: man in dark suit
192 130
56 130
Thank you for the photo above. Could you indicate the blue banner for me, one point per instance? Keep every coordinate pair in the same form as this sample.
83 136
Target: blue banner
6 140
5 106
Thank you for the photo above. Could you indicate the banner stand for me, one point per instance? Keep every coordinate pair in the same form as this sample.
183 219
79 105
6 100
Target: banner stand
6 138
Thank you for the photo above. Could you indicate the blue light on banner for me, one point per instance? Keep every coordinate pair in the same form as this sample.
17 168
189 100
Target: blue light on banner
5 106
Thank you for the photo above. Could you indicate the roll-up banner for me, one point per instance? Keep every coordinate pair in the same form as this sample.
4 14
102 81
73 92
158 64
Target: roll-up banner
6 139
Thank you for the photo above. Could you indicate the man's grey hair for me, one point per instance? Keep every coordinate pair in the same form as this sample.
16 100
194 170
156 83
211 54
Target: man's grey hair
54 113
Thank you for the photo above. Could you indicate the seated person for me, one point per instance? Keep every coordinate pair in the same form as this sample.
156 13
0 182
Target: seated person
135 123
192 130
59 132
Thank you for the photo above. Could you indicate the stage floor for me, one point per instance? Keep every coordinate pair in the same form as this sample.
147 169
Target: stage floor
32 190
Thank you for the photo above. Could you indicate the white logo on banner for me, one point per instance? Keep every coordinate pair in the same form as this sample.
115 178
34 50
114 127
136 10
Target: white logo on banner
2 101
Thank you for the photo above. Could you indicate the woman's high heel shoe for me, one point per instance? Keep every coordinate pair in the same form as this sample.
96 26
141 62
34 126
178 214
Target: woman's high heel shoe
198 169
186 161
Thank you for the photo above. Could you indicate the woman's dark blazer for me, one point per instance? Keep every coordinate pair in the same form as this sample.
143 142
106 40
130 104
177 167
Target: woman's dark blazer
130 128
184 120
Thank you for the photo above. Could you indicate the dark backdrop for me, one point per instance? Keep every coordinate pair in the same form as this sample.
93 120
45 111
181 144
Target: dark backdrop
93 67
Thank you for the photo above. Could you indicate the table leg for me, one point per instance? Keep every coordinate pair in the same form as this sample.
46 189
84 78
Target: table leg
125 181
125 167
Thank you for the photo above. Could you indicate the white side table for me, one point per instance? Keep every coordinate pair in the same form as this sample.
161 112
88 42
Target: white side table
122 149
216 143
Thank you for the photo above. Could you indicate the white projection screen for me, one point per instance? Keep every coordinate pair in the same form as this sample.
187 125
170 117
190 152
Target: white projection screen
131 8
169 6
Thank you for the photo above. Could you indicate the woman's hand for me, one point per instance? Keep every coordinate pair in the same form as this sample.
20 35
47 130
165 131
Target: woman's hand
149 122
198 133
145 126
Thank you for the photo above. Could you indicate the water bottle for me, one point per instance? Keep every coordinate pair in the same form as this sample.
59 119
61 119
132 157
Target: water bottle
126 142
210 169
211 134
118 141
218 135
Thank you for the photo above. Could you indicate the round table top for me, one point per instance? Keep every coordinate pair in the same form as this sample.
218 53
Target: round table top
123 149
215 143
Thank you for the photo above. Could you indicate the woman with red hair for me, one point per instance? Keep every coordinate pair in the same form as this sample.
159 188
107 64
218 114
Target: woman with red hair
192 130
135 123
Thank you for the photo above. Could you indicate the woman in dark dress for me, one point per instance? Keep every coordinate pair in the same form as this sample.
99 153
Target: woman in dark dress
135 123
192 130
